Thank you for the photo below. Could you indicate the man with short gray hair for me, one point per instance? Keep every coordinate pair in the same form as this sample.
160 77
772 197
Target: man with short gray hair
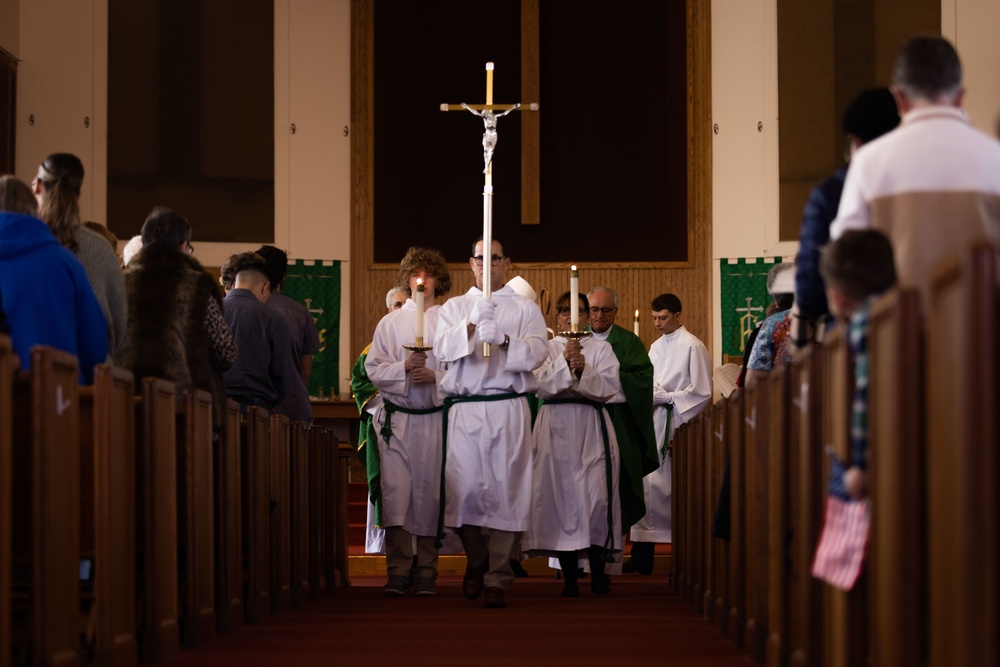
933 184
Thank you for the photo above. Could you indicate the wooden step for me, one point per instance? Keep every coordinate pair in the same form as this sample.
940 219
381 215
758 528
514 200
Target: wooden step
454 565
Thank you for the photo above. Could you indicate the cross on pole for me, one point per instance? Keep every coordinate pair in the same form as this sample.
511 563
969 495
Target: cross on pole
486 112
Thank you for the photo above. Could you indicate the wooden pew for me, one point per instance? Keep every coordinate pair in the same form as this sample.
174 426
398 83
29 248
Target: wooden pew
280 533
195 513
318 526
806 464
107 519
228 525
845 637
345 455
962 340
779 525
735 419
895 478
720 444
756 471
46 522
299 516
255 479
702 434
330 464
156 526
678 512
6 479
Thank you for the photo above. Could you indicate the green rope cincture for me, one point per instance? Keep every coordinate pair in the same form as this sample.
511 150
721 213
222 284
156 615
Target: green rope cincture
665 448
390 407
448 402
607 551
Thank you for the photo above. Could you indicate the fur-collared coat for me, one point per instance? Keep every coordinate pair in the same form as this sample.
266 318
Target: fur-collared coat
168 294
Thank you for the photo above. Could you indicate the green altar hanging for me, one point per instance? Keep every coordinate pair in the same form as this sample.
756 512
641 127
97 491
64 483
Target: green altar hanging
316 285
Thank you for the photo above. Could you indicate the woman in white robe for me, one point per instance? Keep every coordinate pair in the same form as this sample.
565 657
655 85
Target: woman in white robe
575 507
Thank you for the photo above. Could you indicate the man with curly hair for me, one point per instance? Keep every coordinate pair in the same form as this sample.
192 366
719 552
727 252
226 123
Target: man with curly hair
407 426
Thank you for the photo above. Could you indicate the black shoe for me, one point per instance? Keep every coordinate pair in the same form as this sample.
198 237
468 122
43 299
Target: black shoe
472 583
600 584
570 590
495 598
518 569
632 565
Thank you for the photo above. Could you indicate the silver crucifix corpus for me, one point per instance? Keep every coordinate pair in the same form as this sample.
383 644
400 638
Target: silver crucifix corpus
490 135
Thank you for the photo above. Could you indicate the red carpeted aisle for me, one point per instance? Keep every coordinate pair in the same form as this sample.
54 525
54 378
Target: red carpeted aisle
641 619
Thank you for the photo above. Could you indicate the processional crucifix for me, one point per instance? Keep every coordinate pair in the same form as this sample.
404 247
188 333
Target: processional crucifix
486 112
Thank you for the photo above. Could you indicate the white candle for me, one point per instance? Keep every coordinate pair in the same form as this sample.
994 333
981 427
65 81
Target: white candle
419 298
635 324
574 298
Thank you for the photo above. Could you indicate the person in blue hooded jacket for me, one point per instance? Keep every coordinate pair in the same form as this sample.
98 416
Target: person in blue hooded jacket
46 295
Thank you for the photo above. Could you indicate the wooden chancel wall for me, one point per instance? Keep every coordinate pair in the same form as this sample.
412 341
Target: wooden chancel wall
655 239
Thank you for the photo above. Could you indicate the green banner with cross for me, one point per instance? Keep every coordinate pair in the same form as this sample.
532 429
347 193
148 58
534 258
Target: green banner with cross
743 286
316 285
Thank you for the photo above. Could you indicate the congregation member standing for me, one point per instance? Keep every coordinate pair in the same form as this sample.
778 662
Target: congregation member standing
631 409
176 329
259 375
301 333
575 510
870 114
682 387
407 425
488 437
933 184
57 190
46 294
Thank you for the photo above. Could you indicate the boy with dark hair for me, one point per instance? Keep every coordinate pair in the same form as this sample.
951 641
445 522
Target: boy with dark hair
302 335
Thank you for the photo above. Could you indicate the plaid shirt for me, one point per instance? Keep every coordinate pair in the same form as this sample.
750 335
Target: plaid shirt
857 336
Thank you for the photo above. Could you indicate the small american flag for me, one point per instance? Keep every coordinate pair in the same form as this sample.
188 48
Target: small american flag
841 549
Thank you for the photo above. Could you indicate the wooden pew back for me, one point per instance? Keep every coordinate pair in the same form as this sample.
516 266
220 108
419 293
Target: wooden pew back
195 514
156 528
255 462
108 454
281 594
46 524
962 461
228 525
6 479
299 516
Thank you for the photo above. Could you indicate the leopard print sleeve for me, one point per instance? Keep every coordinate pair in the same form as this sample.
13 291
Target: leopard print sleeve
219 336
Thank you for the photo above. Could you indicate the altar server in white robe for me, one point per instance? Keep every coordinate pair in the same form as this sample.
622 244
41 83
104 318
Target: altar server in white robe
488 438
407 425
575 506
682 387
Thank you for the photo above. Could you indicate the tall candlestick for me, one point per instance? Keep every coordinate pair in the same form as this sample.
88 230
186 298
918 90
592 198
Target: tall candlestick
635 324
574 298
419 299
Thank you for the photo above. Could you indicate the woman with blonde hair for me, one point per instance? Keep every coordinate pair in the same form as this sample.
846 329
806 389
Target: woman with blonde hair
57 189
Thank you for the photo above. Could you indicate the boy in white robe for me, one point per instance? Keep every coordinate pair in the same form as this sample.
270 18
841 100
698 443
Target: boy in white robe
488 438
682 387
575 504
407 426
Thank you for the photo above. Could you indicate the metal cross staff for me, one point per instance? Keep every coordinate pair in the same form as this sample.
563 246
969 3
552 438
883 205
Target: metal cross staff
486 112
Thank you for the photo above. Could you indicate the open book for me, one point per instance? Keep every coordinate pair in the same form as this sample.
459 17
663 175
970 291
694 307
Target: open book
725 377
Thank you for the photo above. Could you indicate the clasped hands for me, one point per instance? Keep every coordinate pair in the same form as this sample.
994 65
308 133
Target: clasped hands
481 317
416 366
574 356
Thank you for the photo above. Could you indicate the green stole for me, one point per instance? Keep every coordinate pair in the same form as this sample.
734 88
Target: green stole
633 421
364 391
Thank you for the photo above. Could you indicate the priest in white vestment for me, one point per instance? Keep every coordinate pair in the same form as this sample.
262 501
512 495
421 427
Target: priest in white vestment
488 437
682 387
575 506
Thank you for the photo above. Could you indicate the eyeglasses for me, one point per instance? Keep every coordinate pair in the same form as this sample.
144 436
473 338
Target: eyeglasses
494 260
565 310
188 248
605 311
